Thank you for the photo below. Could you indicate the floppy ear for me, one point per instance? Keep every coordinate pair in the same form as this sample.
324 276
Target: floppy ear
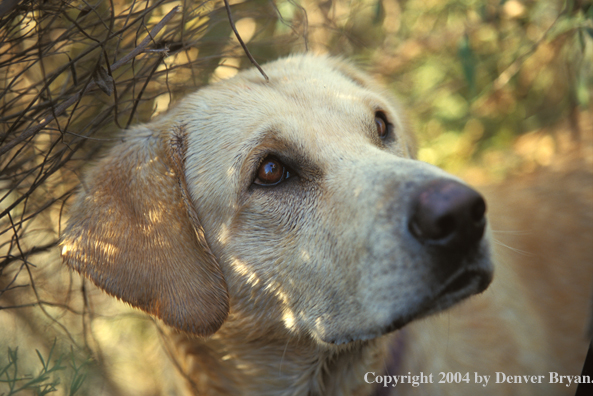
135 233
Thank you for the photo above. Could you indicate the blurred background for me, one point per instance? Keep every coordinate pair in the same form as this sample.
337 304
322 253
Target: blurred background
494 89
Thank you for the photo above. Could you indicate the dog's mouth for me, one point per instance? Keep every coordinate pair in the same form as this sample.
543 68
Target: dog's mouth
458 287
464 283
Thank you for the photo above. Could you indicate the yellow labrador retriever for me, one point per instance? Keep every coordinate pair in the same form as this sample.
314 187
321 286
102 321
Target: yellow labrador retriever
285 228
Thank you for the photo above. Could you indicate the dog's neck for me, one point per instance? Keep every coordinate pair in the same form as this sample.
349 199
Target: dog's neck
258 365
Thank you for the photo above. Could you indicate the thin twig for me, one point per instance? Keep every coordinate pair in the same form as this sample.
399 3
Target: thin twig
155 30
39 301
291 26
35 250
253 61
139 96
514 67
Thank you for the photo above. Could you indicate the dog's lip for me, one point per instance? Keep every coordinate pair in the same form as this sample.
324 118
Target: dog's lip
462 284
465 282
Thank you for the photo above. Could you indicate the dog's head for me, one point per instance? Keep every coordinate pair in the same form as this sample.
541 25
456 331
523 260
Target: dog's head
296 203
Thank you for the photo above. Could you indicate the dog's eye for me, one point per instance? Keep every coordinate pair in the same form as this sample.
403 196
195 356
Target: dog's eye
271 172
382 124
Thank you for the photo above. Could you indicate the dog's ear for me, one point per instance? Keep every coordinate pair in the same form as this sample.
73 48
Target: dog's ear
135 233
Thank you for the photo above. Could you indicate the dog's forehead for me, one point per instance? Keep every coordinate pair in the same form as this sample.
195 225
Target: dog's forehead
298 69
306 81
304 95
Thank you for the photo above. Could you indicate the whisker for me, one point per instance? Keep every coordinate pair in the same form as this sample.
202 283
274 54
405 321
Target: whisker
523 252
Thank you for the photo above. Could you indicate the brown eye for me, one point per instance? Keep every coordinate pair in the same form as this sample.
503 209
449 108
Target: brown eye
381 122
271 172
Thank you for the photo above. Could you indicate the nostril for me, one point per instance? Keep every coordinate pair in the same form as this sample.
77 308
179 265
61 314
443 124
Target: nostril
478 209
449 214
446 226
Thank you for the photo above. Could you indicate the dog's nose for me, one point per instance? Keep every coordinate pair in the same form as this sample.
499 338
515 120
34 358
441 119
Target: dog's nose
449 215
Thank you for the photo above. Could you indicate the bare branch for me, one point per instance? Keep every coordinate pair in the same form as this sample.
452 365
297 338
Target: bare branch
253 61
76 97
